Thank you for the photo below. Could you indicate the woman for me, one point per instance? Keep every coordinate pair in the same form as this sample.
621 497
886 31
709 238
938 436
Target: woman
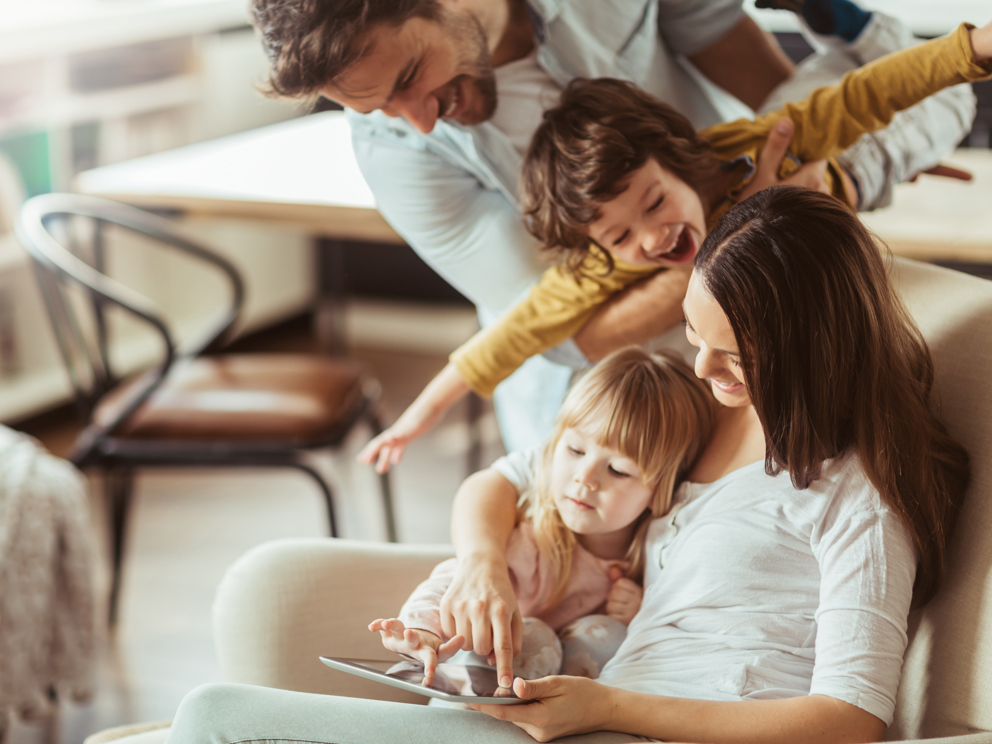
778 587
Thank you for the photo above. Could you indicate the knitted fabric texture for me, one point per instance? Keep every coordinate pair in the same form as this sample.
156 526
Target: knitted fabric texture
48 610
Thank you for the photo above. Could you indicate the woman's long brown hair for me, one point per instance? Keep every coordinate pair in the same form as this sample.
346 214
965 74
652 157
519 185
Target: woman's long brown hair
833 361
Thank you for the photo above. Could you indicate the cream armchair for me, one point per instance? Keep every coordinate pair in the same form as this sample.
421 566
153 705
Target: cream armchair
284 603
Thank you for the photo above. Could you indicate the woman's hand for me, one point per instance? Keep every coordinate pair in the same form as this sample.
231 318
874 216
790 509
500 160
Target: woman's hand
480 606
770 159
562 706
624 599
417 644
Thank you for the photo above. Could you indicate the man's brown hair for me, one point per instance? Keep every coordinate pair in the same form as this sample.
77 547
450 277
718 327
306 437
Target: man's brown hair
832 360
309 43
585 149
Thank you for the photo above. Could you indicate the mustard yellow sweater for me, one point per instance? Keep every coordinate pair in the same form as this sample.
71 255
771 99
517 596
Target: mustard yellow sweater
826 124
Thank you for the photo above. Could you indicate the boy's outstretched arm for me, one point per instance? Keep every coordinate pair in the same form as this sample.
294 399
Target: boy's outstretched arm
834 117
440 394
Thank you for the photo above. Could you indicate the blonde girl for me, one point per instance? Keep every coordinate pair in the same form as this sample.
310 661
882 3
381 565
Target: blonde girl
625 436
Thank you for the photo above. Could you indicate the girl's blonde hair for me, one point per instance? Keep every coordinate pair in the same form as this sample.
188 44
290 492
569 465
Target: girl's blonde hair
656 412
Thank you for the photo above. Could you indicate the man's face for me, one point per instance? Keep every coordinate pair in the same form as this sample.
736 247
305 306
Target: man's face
423 71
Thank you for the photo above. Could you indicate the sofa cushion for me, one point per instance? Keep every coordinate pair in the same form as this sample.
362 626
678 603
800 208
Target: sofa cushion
946 688
135 733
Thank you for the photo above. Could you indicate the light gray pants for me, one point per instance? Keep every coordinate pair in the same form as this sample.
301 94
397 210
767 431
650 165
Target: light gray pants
916 139
238 714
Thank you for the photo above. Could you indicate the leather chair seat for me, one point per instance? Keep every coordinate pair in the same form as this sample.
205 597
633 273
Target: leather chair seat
252 397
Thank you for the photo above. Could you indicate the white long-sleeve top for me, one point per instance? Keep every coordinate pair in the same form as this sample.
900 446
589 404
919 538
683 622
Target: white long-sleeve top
756 590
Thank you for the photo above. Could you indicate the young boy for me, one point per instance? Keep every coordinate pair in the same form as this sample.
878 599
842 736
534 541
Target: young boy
620 186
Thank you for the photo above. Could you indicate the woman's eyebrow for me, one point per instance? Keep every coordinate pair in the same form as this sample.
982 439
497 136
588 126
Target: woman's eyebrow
689 325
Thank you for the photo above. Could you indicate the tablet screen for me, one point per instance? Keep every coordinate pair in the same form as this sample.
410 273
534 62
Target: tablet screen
455 679
454 682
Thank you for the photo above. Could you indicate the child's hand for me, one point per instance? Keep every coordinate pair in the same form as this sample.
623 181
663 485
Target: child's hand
440 394
624 599
417 644
387 449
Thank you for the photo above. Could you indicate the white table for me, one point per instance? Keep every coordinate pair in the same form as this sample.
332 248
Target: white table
300 173
941 219
303 173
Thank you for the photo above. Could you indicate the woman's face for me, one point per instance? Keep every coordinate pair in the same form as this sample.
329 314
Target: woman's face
718 360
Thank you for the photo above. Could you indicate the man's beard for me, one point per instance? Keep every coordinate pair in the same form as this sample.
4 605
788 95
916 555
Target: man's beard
481 74
485 93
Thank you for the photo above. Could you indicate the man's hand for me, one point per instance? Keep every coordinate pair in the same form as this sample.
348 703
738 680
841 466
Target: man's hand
641 312
770 159
624 599
417 644
480 605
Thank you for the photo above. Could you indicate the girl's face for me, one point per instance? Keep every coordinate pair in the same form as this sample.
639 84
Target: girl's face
596 489
718 359
658 220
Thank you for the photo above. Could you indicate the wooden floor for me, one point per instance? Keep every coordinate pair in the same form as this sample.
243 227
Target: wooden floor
187 527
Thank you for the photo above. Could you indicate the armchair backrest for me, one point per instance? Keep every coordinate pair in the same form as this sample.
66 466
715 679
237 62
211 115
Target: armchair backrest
946 686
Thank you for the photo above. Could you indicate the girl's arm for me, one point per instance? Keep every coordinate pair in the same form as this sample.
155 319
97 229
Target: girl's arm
417 632
446 389
573 705
480 603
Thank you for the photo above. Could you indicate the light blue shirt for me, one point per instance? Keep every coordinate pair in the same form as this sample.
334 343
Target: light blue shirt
451 194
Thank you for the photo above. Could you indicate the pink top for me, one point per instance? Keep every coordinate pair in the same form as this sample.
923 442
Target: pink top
588 584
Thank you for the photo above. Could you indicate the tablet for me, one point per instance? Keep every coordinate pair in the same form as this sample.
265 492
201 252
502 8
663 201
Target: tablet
452 682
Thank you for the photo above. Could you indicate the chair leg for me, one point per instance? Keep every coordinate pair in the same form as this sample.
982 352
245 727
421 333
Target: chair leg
384 485
326 490
473 457
118 487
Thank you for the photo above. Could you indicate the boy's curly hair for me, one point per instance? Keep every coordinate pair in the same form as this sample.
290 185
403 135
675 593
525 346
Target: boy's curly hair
584 151
309 43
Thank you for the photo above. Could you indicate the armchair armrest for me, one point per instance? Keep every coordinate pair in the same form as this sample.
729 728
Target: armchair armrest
286 602
982 737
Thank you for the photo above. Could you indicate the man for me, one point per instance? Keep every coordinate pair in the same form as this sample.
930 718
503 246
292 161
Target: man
443 97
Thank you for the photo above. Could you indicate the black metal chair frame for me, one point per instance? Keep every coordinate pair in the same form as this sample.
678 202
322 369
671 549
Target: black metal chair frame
87 357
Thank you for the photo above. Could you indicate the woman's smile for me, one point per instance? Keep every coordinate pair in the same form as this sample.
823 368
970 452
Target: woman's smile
708 329
730 388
